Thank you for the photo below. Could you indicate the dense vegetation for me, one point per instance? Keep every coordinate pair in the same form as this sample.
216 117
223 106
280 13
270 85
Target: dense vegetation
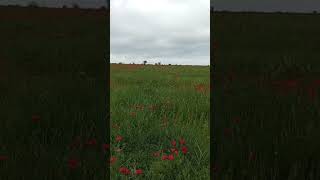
160 121
265 96
53 87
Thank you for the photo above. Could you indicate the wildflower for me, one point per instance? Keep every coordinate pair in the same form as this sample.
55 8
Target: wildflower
174 150
173 143
35 118
3 158
291 83
105 146
171 157
139 171
124 170
112 160
164 157
200 88
119 138
182 141
91 142
73 163
184 150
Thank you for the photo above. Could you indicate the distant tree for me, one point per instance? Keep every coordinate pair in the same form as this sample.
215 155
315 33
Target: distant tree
144 62
64 6
33 4
314 12
120 62
103 8
159 63
75 6
169 64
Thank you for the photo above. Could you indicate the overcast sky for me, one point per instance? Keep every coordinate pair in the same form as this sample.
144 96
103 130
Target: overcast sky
58 3
166 31
267 5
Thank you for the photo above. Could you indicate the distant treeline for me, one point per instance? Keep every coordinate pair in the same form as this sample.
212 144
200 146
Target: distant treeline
35 4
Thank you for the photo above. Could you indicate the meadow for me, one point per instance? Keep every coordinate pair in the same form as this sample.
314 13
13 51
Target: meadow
53 93
265 96
159 122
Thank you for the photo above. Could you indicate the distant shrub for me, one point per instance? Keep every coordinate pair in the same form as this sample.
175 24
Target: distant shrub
103 8
75 6
33 4
16 5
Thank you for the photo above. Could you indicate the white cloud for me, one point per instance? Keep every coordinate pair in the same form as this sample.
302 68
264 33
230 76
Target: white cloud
170 31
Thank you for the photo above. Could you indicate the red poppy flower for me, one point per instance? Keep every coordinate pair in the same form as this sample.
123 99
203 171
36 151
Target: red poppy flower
124 170
171 157
119 138
112 160
173 143
73 163
164 157
174 150
35 118
91 142
184 150
182 141
3 158
139 171
291 83
105 146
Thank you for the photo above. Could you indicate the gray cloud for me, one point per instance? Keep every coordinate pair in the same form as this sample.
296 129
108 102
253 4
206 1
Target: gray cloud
175 32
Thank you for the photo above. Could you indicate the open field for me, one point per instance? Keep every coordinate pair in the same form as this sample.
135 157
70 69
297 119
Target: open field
160 111
266 107
53 87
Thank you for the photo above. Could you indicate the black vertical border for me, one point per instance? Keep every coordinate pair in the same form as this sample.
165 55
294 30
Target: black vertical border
211 123
107 98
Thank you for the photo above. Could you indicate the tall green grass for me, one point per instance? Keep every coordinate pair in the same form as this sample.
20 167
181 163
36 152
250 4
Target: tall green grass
53 68
150 107
265 96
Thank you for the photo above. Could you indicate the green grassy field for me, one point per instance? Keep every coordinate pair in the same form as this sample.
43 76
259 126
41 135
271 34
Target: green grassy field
152 106
53 88
265 96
